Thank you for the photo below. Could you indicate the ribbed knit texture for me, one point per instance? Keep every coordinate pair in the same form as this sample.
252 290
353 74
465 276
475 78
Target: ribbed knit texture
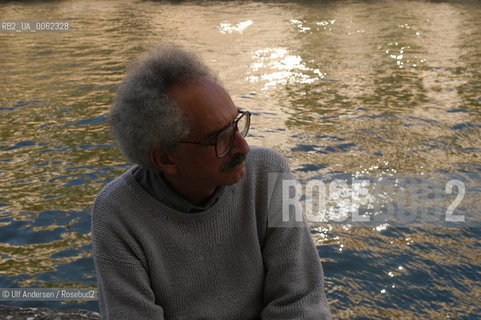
223 263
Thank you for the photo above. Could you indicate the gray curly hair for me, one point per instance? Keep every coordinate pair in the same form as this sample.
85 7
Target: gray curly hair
143 116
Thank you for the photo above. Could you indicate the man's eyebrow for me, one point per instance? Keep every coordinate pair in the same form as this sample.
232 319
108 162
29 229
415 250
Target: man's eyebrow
214 134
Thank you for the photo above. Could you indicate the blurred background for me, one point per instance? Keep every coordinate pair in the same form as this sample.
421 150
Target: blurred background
338 87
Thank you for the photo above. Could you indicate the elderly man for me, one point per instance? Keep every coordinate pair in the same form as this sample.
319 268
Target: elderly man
185 232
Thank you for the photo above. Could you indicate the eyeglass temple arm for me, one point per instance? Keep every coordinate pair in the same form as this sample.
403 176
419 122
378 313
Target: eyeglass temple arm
197 142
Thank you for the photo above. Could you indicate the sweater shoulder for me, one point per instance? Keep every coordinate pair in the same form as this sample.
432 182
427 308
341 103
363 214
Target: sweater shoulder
114 190
268 159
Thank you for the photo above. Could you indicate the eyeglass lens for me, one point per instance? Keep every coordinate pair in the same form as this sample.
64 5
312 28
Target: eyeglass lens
226 137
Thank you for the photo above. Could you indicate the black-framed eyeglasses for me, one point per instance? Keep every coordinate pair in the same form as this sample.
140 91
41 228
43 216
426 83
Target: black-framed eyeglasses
225 139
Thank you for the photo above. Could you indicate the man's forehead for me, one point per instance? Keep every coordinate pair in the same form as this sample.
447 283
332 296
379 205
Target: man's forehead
206 103
214 133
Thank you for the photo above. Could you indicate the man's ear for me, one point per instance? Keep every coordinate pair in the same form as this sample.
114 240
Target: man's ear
162 160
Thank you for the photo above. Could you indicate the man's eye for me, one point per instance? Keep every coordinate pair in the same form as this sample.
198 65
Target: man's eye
212 140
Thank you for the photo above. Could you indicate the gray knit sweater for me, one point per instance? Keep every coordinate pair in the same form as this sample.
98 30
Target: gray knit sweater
154 262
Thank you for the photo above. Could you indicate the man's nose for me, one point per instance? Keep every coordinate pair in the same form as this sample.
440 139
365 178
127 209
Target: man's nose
240 145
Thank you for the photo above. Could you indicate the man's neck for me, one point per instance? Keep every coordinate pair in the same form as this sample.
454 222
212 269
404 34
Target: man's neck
188 191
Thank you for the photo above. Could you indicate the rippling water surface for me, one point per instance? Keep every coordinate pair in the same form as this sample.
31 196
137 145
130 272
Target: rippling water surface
339 87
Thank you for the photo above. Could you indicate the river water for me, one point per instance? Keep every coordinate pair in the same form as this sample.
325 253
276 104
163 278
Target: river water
341 88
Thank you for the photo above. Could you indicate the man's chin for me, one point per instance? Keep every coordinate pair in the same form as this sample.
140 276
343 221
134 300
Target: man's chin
237 173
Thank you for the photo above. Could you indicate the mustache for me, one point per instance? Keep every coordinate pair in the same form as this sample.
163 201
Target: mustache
234 162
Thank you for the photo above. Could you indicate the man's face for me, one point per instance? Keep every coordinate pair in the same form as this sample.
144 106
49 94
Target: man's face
209 109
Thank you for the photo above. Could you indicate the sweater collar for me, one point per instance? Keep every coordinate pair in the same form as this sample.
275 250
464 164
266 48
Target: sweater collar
155 184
